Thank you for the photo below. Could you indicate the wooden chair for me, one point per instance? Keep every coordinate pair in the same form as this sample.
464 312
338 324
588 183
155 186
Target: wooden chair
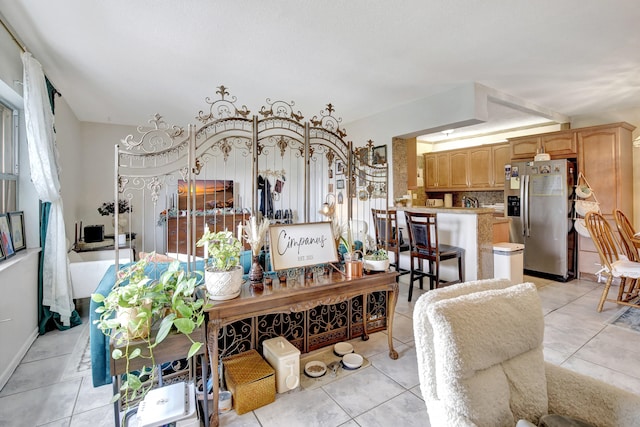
424 246
385 223
613 265
627 233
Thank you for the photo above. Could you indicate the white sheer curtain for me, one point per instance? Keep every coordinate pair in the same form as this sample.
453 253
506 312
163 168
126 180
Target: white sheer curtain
43 155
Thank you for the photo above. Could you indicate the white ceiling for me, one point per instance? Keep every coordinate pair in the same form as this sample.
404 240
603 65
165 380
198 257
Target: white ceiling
121 61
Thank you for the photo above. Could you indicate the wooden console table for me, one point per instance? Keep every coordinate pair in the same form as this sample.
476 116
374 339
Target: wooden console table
296 297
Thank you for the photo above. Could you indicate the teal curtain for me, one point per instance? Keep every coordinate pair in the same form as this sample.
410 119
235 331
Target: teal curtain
48 320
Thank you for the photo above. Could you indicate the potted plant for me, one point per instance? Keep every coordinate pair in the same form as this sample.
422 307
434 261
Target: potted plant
109 208
377 260
223 273
134 304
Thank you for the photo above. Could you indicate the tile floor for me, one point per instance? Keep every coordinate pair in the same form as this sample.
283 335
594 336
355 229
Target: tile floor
43 392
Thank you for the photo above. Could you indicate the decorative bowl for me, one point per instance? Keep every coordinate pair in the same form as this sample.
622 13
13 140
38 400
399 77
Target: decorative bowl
343 348
376 265
352 360
315 368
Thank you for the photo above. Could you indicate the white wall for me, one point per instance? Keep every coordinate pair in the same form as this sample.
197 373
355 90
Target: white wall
69 150
96 168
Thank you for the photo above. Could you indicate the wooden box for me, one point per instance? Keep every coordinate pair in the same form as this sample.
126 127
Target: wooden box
251 380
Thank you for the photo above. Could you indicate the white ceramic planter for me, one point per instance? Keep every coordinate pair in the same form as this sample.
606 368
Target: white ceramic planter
223 285
376 265
127 315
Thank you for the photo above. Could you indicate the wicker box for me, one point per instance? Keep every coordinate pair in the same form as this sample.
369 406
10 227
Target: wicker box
251 380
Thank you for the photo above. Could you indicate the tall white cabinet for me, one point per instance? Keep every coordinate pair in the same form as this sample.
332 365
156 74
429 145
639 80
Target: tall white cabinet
18 309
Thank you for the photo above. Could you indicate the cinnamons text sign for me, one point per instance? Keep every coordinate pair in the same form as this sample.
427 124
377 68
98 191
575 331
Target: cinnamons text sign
301 245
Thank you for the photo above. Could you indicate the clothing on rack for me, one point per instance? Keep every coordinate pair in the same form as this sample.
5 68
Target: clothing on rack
266 199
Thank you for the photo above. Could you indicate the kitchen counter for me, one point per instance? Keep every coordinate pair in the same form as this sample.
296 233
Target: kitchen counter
468 228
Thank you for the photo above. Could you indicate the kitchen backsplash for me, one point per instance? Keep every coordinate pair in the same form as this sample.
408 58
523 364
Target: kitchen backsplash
484 197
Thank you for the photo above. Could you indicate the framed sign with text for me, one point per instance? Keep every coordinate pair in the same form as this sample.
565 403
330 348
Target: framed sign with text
301 245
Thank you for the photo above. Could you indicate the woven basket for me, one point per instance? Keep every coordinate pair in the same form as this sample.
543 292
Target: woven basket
583 207
581 228
583 191
251 380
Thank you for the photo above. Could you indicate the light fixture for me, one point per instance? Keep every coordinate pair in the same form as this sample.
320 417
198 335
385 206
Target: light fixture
328 208
447 132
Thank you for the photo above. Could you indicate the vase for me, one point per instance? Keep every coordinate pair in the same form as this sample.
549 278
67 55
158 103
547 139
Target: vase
256 273
123 223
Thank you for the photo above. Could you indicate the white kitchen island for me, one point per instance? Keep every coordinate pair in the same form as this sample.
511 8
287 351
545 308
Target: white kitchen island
467 228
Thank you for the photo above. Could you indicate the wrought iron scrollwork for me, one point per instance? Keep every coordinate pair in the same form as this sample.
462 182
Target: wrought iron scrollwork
222 108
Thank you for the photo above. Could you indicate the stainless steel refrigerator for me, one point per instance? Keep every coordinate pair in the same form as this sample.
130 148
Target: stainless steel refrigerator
538 200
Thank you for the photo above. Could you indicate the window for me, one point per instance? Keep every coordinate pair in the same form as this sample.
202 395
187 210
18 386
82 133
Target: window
8 159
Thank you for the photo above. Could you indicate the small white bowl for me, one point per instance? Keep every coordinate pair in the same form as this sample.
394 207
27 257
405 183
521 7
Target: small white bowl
352 360
315 368
343 348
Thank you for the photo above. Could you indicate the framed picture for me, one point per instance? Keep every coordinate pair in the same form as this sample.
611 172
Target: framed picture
16 224
380 155
1 253
339 168
5 236
340 184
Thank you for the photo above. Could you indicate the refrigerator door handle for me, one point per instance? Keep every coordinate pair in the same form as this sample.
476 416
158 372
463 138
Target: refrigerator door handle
523 230
527 217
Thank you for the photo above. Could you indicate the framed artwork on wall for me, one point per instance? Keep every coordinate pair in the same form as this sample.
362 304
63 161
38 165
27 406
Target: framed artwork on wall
5 236
339 168
16 224
340 184
380 155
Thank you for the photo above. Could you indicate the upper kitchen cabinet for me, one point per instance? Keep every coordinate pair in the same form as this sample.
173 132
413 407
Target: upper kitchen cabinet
605 158
478 168
437 169
500 156
525 147
559 145
480 172
458 166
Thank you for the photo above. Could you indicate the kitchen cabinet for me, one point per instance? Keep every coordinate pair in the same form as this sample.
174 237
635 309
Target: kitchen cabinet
442 170
458 166
477 168
500 156
436 171
605 158
559 145
480 169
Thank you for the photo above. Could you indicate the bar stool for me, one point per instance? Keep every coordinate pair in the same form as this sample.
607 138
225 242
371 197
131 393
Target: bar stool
385 223
423 240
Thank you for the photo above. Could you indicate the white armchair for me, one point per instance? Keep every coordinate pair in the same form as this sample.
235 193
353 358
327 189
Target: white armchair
480 362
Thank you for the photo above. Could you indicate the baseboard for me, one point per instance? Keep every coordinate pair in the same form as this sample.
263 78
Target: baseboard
17 358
